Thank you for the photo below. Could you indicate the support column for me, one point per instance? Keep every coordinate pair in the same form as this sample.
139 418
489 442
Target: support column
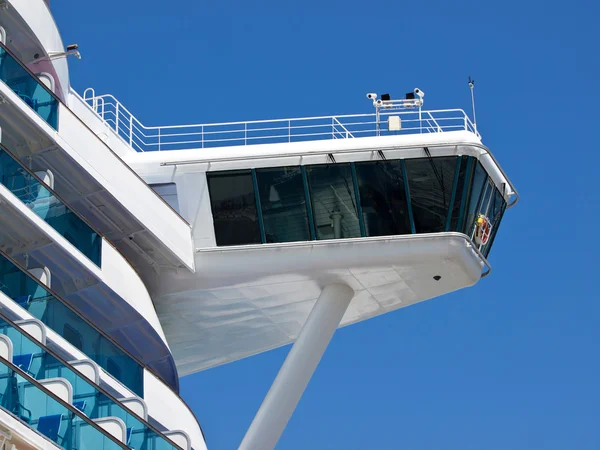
298 368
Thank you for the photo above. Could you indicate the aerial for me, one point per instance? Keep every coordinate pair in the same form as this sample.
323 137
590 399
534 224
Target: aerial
298 225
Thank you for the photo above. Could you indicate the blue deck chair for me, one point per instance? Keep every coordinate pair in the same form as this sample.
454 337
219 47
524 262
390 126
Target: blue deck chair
49 426
23 362
80 405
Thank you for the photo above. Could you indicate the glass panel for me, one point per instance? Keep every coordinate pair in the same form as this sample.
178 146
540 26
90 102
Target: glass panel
495 213
86 397
383 198
479 180
430 182
44 306
333 201
47 206
233 206
462 188
47 415
28 88
283 204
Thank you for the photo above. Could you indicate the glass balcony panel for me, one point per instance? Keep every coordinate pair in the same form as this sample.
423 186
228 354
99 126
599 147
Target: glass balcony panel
383 198
333 201
37 197
92 402
28 88
234 208
47 415
479 180
283 204
43 305
430 182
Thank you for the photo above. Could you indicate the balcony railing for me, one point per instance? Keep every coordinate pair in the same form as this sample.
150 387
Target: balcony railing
65 321
179 137
38 197
28 87
27 399
95 403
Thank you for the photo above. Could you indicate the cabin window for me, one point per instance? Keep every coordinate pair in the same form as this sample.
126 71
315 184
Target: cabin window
73 336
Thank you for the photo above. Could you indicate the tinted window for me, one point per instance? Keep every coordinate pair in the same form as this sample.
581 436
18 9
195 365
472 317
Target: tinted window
479 180
430 183
283 204
333 201
462 192
234 208
383 198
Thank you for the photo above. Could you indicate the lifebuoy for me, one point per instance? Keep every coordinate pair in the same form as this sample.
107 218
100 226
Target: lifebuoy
483 230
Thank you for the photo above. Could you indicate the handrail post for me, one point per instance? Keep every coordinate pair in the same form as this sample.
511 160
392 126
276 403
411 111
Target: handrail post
117 117
245 133
130 130
159 139
202 136
289 130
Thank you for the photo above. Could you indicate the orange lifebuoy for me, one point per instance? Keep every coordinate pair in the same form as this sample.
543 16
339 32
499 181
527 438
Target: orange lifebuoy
483 230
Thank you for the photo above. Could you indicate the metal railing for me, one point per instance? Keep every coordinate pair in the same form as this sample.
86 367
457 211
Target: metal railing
180 137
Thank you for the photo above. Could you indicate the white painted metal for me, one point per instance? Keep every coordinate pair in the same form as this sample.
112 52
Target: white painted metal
143 138
298 368
113 425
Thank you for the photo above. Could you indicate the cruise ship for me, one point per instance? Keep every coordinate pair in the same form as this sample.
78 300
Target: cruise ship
132 255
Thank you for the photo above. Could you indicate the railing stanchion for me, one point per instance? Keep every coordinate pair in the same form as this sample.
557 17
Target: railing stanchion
159 139
117 117
289 131
246 133
130 130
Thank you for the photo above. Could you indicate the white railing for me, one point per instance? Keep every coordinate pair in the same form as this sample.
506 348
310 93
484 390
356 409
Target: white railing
179 137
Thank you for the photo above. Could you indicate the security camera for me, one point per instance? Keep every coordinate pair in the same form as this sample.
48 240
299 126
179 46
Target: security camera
372 96
419 93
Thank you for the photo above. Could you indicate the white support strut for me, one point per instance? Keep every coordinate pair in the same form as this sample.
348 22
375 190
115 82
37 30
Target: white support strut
298 368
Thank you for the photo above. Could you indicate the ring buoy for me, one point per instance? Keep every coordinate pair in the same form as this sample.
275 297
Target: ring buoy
483 230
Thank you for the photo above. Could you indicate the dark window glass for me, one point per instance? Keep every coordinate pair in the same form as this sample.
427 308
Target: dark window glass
462 191
234 208
73 336
430 182
383 198
283 204
477 185
333 201
113 368
494 213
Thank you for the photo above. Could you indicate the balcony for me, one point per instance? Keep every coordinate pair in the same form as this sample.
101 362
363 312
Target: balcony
60 317
38 361
29 89
43 201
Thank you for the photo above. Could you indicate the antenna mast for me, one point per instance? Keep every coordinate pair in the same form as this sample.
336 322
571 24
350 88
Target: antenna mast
472 87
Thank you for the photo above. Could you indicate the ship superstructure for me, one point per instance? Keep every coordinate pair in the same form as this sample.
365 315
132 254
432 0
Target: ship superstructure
132 255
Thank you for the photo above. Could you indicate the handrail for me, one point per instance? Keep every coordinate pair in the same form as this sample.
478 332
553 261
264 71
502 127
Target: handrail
96 386
156 138
104 334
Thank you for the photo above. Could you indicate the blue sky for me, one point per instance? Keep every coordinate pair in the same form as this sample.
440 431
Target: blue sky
512 363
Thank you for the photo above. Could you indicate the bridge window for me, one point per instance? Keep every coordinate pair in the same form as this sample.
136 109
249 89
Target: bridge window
283 204
430 182
383 198
234 208
334 208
